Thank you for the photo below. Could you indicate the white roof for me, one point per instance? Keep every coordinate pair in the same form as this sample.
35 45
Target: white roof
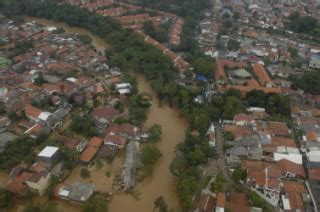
313 156
33 71
256 109
123 85
72 79
295 158
48 151
50 29
124 91
44 115
218 209
284 149
64 192
286 202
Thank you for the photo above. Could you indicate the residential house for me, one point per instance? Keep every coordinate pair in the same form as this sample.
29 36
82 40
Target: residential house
4 123
76 192
294 196
17 183
237 201
315 61
221 202
243 119
115 141
91 150
5 138
288 153
104 116
34 131
206 203
32 113
263 77
291 170
129 131
39 182
69 143
131 164
49 154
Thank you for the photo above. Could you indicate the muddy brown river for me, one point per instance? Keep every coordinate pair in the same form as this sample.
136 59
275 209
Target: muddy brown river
173 132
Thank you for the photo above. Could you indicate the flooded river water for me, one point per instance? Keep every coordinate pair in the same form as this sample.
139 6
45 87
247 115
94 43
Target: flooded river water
173 129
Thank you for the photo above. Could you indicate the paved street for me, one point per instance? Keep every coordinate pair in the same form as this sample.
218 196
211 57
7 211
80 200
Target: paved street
221 160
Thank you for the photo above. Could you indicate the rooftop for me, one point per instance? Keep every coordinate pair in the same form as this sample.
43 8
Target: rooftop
48 151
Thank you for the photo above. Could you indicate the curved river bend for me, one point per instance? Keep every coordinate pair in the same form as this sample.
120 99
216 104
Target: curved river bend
173 132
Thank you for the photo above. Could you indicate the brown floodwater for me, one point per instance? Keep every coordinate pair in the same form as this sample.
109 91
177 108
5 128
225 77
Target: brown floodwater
162 181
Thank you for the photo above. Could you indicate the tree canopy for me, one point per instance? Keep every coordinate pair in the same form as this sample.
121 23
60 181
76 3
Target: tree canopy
303 24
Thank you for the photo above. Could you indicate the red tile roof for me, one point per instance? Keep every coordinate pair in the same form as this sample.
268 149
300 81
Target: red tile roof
281 141
117 140
221 200
95 142
243 117
314 174
108 113
88 154
206 203
288 166
295 201
262 74
312 136
293 186
32 111
247 89
221 63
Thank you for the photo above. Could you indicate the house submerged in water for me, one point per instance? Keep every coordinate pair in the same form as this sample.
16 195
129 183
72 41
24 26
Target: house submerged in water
131 165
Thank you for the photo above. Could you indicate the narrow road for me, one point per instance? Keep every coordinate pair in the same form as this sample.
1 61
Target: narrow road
221 159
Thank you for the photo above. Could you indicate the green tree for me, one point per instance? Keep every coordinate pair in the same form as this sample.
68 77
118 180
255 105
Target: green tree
198 156
201 123
232 107
84 173
256 98
218 183
293 52
149 156
310 82
239 174
40 79
257 201
6 199
186 188
160 203
278 104
83 125
178 165
95 204
204 65
50 207
32 207
233 45
85 39
155 133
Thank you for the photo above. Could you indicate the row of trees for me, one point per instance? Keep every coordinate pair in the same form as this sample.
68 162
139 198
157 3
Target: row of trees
20 48
303 24
16 151
159 33
309 82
